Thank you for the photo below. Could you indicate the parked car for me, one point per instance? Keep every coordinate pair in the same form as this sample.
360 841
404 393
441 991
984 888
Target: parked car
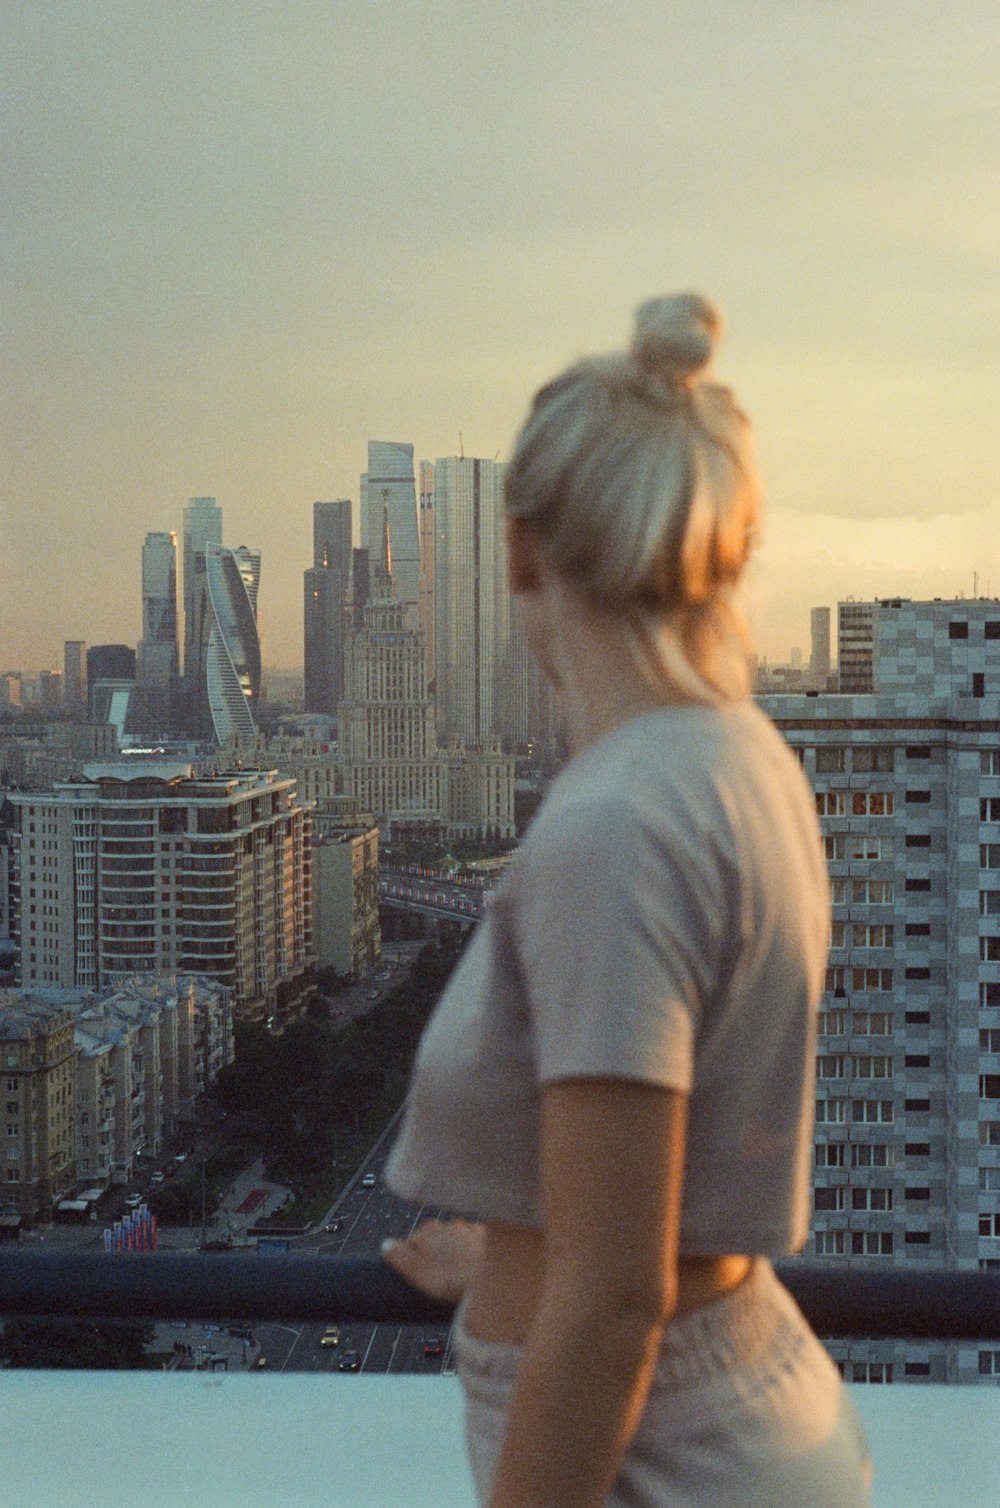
369 1181
433 1346
133 1201
157 1178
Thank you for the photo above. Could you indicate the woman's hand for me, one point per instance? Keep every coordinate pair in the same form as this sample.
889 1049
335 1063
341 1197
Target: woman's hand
439 1258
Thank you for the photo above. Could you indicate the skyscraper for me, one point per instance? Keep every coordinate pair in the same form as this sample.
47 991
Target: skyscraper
202 526
389 483
232 650
471 595
819 658
426 521
158 659
74 675
325 598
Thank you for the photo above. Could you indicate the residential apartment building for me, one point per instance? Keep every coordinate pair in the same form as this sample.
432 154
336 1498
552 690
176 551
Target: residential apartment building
142 867
37 1068
346 897
907 1144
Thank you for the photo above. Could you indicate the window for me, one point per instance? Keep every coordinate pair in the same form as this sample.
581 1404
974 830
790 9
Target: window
918 840
835 980
917 1148
958 629
918 751
989 1086
989 1133
830 1199
918 929
866 761
989 949
917 1368
917 1060
831 803
918 973
978 683
912 885
989 903
871 935
872 1155
919 1195
989 761
830 761
838 934
831 1112
918 798
838 892
878 1066
833 1023
871 1371
989 1225
989 1363
989 994
989 855
989 809
871 1199
872 804
872 1023
830 1243
917 1238
872 892
989 1039
872 1112
829 1154
917 1107
871 979
871 1243
831 1066
991 628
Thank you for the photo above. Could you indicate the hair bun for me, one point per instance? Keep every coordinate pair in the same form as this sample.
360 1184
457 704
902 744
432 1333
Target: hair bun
676 335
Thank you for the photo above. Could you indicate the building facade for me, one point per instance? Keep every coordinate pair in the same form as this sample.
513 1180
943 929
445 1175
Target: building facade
202 527
326 587
37 1051
907 1140
471 597
232 659
345 898
75 675
388 488
144 868
158 662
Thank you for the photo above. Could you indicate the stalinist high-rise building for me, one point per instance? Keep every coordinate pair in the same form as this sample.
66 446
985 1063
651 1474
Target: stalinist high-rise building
390 759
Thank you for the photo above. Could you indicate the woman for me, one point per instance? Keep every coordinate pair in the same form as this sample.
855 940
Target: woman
617 1084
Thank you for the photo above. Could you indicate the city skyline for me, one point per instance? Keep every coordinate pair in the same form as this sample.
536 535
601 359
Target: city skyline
230 259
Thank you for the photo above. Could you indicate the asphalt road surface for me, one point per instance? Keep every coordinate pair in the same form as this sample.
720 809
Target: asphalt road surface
367 1216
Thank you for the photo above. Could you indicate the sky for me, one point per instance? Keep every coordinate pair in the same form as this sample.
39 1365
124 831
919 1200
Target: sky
239 238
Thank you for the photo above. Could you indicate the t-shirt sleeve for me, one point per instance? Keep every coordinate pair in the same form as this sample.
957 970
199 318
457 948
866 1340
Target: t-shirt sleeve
620 931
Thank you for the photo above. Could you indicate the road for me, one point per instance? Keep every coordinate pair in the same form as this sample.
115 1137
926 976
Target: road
367 1216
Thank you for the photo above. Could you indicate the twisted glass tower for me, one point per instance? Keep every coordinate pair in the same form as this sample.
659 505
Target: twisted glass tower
232 654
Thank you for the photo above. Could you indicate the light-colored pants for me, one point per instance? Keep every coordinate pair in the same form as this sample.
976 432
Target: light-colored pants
746 1410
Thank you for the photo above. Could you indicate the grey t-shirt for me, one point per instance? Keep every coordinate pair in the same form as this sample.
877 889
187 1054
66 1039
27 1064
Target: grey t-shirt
665 920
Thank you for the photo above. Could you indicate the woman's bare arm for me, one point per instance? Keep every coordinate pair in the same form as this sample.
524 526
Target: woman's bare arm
612 1169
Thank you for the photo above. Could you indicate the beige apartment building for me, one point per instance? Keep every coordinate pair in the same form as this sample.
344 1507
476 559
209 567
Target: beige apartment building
345 898
143 867
38 1058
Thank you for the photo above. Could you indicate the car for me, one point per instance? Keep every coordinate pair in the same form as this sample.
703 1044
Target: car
133 1201
369 1181
331 1337
349 1361
433 1346
333 1226
157 1178
260 1365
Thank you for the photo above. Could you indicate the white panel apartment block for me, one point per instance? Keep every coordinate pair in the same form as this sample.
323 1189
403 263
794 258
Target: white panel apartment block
907 1143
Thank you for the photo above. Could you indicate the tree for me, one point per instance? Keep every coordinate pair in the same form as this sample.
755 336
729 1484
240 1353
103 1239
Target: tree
105 1345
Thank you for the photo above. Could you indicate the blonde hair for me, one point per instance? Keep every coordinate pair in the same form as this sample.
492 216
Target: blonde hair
637 475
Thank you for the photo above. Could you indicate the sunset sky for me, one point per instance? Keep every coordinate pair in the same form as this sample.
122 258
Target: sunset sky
242 237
